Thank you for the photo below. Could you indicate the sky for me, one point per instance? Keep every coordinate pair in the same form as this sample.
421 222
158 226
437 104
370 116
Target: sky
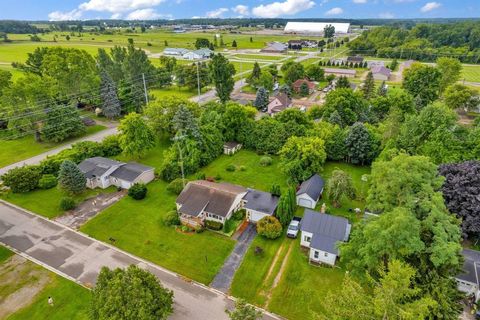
175 9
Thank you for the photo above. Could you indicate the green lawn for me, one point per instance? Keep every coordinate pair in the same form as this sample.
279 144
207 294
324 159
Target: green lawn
182 92
471 73
259 57
4 254
12 151
47 202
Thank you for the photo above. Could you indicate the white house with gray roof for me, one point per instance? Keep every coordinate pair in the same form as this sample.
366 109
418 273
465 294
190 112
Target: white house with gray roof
321 233
175 51
259 204
310 191
468 281
103 173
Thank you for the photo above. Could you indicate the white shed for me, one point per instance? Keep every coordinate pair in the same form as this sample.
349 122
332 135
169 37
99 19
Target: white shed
310 191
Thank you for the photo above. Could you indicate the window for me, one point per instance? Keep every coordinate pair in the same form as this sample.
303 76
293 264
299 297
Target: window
307 238
326 254
316 254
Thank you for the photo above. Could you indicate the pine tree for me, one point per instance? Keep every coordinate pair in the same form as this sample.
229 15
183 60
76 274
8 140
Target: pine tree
255 75
261 100
275 190
382 90
368 88
215 41
234 44
343 82
111 107
251 39
70 178
222 44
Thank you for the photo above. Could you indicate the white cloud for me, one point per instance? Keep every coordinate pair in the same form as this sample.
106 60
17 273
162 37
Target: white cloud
334 11
116 16
241 10
75 14
144 14
217 13
386 15
429 6
277 9
116 6
360 1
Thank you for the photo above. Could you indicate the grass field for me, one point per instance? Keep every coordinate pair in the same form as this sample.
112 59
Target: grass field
12 151
259 57
4 254
471 73
182 92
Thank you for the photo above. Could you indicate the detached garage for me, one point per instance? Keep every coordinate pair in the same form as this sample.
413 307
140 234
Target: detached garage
259 204
310 191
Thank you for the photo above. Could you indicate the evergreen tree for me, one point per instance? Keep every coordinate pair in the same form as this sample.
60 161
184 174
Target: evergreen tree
70 178
261 100
304 91
111 107
255 75
222 44
234 44
275 190
368 88
62 122
285 89
251 39
382 90
361 145
221 73
342 82
215 41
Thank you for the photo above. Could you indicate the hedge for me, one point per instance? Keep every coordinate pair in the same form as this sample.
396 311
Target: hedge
214 225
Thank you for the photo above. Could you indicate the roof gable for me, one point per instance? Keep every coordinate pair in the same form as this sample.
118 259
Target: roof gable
312 186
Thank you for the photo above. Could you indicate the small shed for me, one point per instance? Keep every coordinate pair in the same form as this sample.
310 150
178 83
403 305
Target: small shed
231 147
310 191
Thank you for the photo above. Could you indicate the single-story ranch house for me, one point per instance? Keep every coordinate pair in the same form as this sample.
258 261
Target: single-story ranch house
349 73
321 233
259 204
103 173
468 280
310 191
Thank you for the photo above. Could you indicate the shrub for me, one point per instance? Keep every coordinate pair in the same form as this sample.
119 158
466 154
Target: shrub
176 186
258 251
228 225
171 219
199 229
67 203
48 181
22 179
265 161
230 168
185 228
138 191
201 176
269 227
242 168
214 225
218 177
111 146
239 214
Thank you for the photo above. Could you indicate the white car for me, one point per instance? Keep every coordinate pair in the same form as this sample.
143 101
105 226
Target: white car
293 229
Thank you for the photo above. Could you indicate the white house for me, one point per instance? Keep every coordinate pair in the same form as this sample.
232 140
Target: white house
259 204
174 51
468 280
310 191
231 147
103 173
203 53
321 233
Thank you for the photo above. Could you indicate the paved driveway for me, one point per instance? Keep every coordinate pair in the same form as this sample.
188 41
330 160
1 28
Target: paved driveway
223 280
80 258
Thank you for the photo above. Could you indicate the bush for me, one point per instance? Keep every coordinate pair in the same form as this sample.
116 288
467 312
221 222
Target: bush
171 219
201 176
228 225
269 227
48 181
242 168
265 161
214 225
22 179
111 146
67 203
239 214
199 229
138 191
218 177
230 168
176 186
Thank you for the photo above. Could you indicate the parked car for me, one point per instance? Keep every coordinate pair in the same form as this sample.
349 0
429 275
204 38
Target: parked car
293 228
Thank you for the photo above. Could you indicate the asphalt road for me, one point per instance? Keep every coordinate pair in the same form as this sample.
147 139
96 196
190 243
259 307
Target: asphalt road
77 257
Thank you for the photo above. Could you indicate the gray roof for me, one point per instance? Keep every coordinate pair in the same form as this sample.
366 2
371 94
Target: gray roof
313 187
381 70
97 166
342 71
276 46
327 230
471 266
130 171
261 201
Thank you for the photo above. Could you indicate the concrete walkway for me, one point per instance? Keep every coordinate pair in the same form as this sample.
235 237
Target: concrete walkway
77 257
223 280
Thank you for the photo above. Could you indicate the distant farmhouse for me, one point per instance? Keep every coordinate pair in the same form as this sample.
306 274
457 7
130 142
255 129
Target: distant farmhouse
279 103
350 73
202 53
275 47
381 73
315 27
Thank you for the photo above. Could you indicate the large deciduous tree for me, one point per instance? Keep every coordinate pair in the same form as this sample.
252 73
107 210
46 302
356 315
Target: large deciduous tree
62 122
130 294
70 178
136 137
423 82
450 68
221 73
243 311
362 146
340 185
350 106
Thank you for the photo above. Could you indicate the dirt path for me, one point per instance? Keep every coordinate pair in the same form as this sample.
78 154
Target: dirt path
274 262
20 282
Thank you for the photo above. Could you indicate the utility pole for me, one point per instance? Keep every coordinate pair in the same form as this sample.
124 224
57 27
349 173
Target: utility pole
180 153
145 88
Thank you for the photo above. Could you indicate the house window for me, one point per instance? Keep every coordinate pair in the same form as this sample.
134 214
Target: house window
307 238
325 254
316 254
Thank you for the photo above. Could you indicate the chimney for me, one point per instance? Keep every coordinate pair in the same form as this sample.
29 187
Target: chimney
323 208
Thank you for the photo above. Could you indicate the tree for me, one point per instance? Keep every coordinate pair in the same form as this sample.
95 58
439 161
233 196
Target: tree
339 185
62 122
22 179
450 69
286 207
304 90
130 294
315 73
394 64
362 147
202 43
221 73
423 82
234 44
461 191
342 82
294 72
285 89
266 81
168 62
5 80
251 39
235 119
458 96
185 123
268 135
329 31
255 75
261 100
348 105
111 107
368 88
301 157
269 227
243 311
136 138
71 178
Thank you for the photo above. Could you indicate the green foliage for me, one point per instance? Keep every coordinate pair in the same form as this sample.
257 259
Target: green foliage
266 81
239 214
275 190
286 207
294 72
22 179
269 227
62 122
135 138
343 82
202 43
459 96
301 157
329 31
138 191
214 225
255 74
450 69
111 107
70 178
423 82
361 144
268 136
339 185
230 168
243 311
129 294
47 181
368 88
349 106
67 203
266 161
315 73
261 99
171 219
221 73
177 185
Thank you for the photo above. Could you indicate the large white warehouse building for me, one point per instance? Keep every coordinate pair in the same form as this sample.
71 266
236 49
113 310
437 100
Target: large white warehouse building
315 27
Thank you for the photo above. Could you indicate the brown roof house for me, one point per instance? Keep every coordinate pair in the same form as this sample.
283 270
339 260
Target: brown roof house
297 85
381 73
279 103
203 200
